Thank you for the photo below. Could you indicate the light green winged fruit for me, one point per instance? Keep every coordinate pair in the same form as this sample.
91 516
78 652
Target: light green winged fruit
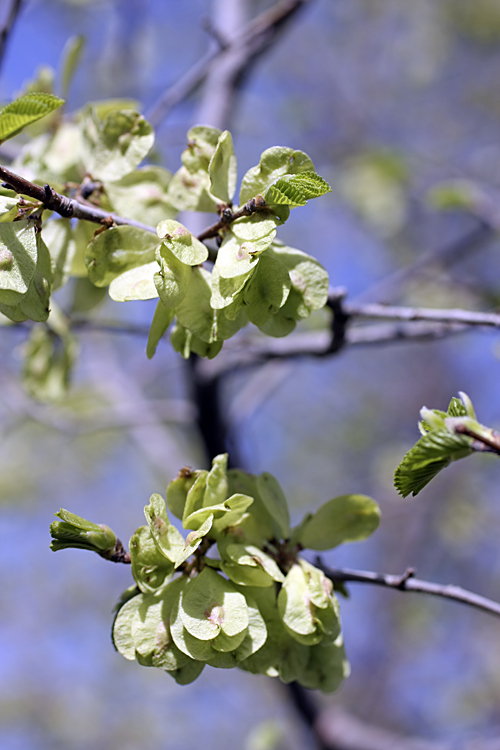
215 623
189 188
141 631
307 606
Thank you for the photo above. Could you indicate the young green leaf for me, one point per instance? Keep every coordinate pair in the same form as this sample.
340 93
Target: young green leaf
25 110
274 163
178 489
71 56
173 279
274 501
432 453
295 190
348 518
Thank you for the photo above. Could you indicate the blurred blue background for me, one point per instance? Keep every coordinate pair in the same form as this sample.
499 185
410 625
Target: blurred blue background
388 98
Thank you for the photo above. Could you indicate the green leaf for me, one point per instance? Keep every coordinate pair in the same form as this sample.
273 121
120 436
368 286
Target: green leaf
35 303
25 110
135 284
222 169
75 531
182 243
142 195
116 250
8 207
178 489
117 145
348 518
274 163
150 568
267 290
433 452
210 604
18 257
159 326
296 190
168 540
260 526
71 57
274 501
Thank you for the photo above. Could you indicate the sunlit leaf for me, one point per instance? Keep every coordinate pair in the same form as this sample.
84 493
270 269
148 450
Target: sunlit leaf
25 110
348 518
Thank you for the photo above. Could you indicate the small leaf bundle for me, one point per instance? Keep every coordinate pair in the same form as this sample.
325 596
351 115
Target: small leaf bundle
446 437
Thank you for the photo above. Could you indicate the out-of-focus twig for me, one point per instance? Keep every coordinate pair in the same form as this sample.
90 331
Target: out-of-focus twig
243 47
8 26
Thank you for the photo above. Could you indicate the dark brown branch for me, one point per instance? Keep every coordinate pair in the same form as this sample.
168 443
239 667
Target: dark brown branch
65 207
407 582
118 555
227 217
8 26
249 44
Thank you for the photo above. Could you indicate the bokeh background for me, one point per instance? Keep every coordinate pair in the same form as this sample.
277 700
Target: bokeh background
389 98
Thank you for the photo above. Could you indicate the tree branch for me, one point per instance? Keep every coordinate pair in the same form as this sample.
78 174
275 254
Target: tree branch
249 44
470 318
8 26
407 582
69 208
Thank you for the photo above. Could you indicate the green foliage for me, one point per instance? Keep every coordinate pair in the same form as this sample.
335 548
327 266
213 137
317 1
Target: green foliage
26 110
234 592
250 278
446 437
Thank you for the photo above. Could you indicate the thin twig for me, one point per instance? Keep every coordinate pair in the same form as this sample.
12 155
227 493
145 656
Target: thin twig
8 26
407 582
453 251
468 317
252 42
